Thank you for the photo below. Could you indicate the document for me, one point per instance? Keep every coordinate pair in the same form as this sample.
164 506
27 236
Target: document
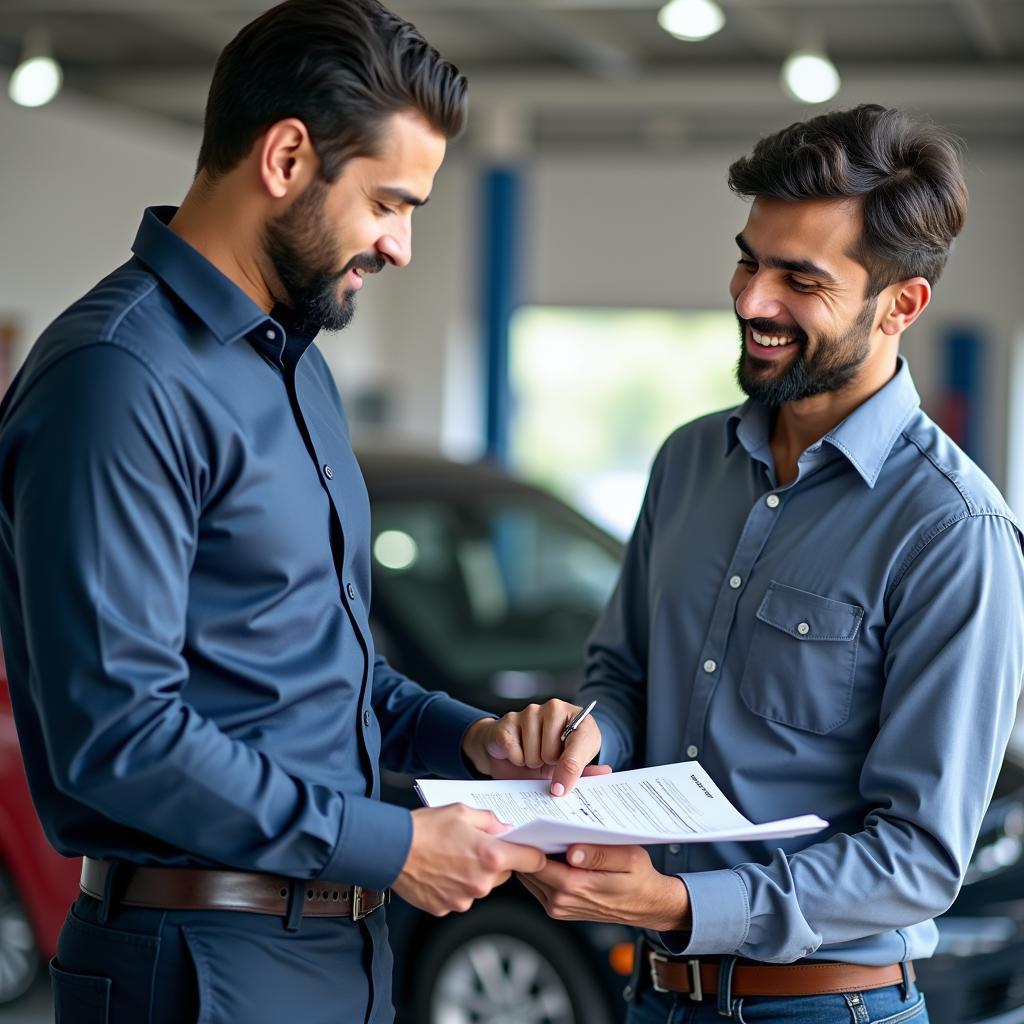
670 803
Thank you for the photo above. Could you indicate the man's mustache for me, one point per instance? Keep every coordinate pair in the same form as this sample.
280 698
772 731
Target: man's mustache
368 264
774 328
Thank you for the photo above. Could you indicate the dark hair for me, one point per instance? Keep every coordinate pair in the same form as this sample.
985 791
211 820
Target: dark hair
342 67
906 173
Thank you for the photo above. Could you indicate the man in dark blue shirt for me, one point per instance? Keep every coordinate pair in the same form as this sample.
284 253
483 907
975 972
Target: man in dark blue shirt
184 539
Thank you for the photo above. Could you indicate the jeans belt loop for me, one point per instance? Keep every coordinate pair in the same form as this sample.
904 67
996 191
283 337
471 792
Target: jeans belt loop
725 1001
296 903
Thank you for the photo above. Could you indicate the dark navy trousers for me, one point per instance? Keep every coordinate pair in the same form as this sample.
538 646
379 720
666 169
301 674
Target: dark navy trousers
143 966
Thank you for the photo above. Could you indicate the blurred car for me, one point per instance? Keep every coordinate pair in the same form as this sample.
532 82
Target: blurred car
487 588
36 883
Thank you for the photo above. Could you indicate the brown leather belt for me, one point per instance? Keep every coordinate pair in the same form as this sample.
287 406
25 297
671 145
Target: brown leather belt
698 977
214 889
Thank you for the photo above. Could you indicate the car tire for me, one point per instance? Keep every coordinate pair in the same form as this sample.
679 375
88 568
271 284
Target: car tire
502 962
19 957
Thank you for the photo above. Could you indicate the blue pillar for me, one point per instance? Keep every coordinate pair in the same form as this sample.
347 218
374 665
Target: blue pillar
962 405
500 296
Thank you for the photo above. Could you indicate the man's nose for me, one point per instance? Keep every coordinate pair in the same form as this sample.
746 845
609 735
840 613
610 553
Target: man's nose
396 247
759 299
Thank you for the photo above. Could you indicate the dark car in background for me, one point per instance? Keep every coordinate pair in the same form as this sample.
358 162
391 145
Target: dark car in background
487 588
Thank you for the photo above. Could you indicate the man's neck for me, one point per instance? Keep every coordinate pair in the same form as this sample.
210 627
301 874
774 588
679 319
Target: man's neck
216 226
800 424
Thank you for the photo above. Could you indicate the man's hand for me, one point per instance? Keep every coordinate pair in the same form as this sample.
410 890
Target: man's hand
611 883
456 858
527 744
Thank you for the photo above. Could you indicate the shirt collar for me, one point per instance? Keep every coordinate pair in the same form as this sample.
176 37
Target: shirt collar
225 309
865 437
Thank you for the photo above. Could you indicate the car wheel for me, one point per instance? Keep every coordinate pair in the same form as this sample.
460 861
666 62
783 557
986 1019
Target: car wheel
19 958
501 964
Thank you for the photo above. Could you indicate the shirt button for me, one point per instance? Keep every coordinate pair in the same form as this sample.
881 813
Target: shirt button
736 582
710 666
366 719
772 501
692 751
803 629
271 335
328 472
351 591
674 848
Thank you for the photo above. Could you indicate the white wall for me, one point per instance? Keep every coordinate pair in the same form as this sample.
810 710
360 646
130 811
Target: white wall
653 231
75 179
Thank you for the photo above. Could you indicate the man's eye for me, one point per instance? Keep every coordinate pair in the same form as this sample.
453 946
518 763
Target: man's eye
802 286
746 264
384 209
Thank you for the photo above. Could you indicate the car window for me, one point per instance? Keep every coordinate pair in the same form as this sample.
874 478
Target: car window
489 585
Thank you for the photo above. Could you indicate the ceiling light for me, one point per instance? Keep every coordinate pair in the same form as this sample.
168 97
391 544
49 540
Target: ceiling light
37 79
691 20
810 77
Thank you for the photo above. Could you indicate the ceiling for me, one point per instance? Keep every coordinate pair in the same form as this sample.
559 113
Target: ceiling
577 74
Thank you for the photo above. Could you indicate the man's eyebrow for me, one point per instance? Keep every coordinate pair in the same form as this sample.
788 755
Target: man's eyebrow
797 266
403 197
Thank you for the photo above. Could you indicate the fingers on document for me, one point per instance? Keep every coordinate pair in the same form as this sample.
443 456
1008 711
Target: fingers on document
508 857
604 858
580 749
485 821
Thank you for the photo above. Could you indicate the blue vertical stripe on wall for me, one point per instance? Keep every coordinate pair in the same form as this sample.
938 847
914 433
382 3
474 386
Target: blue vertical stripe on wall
500 288
961 412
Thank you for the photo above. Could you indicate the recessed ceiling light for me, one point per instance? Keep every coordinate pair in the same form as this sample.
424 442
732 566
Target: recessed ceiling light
691 20
810 77
37 79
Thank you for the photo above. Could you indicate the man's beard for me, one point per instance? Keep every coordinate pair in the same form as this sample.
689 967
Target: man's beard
304 254
833 365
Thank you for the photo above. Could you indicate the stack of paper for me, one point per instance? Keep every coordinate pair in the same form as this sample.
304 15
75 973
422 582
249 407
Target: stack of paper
672 803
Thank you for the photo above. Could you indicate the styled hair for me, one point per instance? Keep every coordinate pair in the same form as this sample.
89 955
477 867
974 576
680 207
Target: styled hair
342 67
906 173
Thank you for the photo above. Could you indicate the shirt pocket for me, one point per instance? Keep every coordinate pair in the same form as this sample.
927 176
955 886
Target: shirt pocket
802 660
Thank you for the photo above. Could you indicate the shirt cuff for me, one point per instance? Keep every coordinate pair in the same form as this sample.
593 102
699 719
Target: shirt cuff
440 732
721 915
373 844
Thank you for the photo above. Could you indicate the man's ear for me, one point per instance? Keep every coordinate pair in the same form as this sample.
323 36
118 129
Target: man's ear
287 160
903 303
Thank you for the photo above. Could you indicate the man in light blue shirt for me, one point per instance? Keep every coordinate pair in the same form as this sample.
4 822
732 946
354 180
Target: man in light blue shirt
822 602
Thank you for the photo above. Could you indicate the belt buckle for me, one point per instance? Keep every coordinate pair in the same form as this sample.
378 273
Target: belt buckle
655 958
358 897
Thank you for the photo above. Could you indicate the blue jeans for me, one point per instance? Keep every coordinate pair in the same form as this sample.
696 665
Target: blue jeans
879 1006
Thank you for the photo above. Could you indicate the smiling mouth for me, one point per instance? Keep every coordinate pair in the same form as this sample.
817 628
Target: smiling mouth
771 340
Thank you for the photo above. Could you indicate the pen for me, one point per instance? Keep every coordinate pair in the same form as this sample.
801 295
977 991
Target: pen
577 721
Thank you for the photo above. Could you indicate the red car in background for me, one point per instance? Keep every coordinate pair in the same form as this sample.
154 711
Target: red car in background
37 885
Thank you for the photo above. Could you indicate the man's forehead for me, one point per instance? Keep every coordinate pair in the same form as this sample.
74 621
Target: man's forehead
827 231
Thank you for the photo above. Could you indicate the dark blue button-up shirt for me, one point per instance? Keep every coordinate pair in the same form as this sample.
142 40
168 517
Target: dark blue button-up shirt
184 544
849 644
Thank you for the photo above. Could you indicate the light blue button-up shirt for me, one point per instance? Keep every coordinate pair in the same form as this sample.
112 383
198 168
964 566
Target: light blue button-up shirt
850 644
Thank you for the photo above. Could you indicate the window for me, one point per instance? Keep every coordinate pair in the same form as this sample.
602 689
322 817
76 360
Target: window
595 392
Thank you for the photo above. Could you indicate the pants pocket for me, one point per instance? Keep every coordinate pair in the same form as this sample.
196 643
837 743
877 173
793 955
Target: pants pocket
79 998
90 951
915 1014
